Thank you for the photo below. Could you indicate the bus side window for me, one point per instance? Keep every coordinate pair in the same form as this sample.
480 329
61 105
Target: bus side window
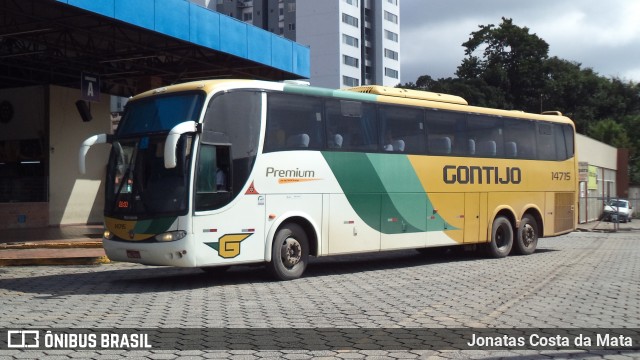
402 129
546 142
355 122
487 133
446 133
568 140
294 122
212 177
564 150
518 140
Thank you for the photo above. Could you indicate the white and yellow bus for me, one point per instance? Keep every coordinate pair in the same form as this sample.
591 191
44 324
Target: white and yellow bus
216 173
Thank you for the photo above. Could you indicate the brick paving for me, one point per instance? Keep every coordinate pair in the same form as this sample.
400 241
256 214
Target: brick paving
580 280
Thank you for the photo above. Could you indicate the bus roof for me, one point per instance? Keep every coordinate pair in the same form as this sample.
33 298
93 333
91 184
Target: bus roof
409 94
384 94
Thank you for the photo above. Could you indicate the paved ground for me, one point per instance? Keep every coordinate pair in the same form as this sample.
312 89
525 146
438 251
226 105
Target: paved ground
581 280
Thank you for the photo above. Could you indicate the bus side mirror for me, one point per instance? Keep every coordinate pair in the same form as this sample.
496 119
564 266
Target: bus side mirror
84 148
170 160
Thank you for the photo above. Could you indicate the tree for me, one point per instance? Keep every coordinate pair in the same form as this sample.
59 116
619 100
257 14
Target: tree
610 132
512 60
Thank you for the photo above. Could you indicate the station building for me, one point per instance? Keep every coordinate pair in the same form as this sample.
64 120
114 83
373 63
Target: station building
603 175
60 59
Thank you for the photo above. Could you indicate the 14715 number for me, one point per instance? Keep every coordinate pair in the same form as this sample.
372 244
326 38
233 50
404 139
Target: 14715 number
560 176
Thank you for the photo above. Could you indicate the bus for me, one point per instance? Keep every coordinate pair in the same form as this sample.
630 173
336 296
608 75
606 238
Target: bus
216 173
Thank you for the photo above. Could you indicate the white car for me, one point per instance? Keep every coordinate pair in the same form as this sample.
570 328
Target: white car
621 209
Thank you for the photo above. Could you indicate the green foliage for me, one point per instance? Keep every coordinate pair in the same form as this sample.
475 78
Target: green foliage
610 132
507 67
512 61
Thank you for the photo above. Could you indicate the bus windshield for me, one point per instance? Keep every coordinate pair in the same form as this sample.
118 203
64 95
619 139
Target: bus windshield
160 113
138 184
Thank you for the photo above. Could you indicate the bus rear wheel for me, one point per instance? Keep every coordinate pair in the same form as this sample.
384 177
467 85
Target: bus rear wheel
501 238
527 239
290 253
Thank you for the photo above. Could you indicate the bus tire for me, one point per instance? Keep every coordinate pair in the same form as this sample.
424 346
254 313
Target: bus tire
527 238
501 238
290 253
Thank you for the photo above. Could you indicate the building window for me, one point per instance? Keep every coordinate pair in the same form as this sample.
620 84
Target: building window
348 19
391 73
393 2
352 2
292 26
349 81
247 16
350 40
390 35
291 7
391 17
351 61
393 55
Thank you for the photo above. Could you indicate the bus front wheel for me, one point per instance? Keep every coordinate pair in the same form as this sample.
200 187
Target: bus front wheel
527 239
290 253
501 238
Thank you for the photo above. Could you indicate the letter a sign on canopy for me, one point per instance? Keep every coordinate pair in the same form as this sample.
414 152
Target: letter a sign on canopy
90 87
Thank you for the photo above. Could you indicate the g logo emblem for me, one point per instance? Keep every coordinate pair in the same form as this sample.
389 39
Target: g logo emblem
230 245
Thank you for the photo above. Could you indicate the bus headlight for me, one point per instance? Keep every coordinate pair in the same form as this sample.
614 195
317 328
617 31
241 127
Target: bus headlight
171 236
107 234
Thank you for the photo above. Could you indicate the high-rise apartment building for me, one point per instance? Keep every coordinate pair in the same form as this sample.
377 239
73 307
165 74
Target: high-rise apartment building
353 42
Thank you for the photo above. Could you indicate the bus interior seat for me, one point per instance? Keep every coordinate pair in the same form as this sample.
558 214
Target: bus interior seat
398 145
440 145
487 148
511 149
298 141
471 147
335 141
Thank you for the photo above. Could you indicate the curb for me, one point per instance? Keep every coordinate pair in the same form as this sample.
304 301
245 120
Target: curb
50 245
52 253
55 261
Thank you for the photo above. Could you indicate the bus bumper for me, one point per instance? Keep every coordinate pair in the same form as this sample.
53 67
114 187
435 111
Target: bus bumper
172 253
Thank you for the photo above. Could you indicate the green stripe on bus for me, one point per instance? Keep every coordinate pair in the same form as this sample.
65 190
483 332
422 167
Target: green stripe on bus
384 190
316 91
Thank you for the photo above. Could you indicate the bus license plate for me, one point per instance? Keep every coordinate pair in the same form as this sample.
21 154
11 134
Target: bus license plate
133 254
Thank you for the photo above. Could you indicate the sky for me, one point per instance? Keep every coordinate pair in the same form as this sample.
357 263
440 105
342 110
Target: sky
601 35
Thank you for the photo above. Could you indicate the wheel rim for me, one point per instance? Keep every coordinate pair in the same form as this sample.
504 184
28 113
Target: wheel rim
291 252
528 235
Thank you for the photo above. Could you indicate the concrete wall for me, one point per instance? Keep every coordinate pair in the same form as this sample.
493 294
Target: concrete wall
596 153
605 159
75 198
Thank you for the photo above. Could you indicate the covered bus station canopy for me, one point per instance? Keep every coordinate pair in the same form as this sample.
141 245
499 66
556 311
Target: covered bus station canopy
129 46
135 45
